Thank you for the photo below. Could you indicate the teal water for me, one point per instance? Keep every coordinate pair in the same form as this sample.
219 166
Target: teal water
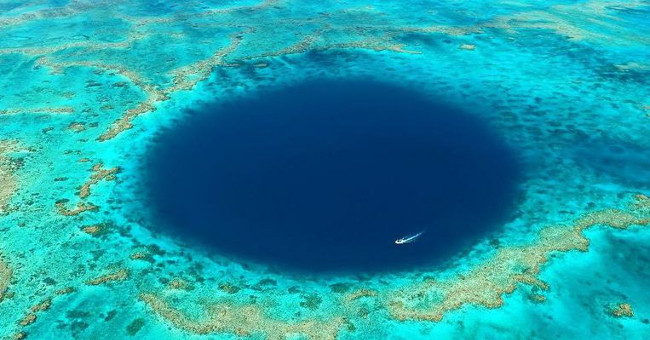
88 89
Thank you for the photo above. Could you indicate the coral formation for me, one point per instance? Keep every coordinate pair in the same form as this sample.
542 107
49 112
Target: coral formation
5 277
242 321
620 310
486 284
119 275
8 181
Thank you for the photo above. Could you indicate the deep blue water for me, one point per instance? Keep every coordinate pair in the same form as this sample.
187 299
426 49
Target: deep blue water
324 176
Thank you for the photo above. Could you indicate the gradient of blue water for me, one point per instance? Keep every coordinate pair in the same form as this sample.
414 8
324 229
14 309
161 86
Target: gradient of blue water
324 176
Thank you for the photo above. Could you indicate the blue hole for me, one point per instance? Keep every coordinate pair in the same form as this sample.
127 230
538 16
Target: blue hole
326 175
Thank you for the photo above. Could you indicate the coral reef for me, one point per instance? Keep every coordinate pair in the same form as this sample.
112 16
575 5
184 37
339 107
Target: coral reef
487 283
242 321
620 310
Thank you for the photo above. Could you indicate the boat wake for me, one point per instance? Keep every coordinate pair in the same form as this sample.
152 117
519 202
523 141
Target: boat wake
409 239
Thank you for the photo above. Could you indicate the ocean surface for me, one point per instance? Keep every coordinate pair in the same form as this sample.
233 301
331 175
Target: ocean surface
242 169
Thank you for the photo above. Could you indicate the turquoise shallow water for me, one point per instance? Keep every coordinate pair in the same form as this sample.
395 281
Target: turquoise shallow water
89 87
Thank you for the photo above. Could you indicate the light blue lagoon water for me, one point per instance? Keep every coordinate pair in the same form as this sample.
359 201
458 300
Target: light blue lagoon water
90 89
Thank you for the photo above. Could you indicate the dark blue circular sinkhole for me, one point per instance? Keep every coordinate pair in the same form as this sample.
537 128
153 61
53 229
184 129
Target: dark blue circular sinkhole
326 175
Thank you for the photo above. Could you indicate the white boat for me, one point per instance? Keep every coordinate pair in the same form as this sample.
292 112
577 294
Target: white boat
408 239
